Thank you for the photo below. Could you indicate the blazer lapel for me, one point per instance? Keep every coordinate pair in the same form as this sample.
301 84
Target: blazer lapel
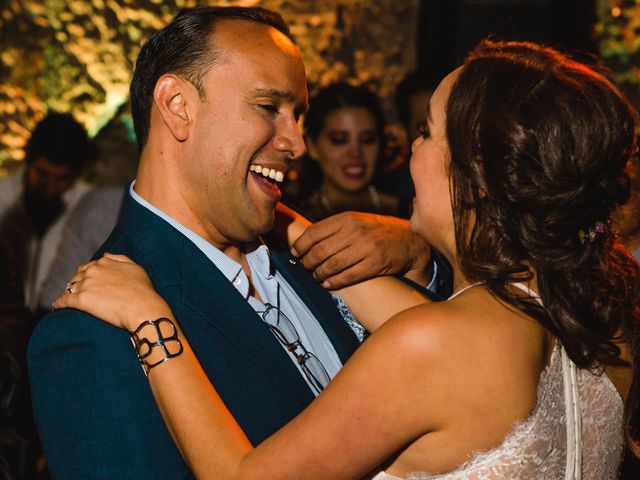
182 273
208 293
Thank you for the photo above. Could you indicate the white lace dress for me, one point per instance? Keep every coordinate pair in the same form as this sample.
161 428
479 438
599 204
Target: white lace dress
537 448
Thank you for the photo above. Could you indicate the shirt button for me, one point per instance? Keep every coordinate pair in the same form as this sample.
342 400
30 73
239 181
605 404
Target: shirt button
237 281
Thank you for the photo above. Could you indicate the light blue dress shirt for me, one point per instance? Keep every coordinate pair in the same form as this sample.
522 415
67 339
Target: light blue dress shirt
265 281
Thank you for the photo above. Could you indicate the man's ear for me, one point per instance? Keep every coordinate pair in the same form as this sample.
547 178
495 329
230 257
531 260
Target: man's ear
174 96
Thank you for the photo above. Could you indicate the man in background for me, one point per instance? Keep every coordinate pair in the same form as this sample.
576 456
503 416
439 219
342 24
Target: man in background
34 204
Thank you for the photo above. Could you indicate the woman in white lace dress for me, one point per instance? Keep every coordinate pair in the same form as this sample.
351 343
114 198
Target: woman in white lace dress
519 375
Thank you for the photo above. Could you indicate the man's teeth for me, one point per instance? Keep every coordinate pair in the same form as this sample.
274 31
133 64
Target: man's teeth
267 172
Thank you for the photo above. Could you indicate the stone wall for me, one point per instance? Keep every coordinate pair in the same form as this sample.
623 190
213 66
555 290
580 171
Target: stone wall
77 56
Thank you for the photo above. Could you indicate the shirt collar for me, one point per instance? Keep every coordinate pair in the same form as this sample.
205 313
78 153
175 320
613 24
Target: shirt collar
258 254
260 260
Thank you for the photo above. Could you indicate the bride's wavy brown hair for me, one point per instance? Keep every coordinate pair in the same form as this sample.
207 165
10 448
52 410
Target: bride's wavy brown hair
539 144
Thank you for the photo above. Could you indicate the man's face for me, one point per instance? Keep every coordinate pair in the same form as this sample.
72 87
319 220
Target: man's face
250 118
46 181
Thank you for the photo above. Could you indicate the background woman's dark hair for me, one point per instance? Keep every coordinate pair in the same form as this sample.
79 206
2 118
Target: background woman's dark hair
328 100
539 144
336 96
185 47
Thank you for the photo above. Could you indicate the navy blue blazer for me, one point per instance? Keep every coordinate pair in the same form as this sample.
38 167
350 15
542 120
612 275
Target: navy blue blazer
93 405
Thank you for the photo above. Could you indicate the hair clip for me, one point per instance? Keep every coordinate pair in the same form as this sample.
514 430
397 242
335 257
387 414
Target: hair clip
590 235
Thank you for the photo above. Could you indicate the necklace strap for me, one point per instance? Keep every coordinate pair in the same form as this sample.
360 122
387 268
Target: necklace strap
464 289
374 195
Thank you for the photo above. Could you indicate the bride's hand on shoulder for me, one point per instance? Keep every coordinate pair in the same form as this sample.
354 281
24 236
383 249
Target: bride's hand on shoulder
114 289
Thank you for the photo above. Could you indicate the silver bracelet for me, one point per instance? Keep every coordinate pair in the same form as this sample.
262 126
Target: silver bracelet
144 347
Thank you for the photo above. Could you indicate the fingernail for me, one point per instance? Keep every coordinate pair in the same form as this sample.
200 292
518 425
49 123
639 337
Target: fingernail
326 285
294 252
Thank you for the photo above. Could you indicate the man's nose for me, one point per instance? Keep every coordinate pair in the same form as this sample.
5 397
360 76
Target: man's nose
289 139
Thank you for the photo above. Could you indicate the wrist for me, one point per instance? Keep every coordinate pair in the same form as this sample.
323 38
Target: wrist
156 308
155 342
420 269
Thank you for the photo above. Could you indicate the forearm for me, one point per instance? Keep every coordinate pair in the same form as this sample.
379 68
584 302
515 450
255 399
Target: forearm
289 224
419 267
375 301
205 432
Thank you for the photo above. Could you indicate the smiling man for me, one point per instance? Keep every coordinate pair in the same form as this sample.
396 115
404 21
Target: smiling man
216 98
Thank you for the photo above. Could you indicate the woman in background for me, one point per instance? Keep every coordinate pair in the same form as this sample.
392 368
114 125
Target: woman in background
344 131
525 371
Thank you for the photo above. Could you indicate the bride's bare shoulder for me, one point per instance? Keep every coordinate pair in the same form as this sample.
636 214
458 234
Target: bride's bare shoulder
471 333
449 365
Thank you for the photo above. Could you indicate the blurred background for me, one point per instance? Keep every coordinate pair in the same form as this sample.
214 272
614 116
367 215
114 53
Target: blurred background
77 56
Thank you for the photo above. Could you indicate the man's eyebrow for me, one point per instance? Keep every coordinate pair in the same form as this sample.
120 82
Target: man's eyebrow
275 93
286 96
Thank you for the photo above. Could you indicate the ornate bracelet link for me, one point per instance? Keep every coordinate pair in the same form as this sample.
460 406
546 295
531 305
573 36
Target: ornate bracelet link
145 346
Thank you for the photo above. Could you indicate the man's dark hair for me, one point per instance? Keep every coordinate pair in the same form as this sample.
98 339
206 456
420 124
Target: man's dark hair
415 82
61 140
184 47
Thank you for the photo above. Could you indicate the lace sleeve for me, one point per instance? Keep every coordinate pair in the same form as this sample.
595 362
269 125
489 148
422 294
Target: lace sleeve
350 319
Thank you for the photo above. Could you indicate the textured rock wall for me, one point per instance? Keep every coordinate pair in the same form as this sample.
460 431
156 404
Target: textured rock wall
78 55
619 37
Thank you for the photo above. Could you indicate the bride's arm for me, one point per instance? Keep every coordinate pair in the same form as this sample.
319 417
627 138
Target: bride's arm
372 301
353 426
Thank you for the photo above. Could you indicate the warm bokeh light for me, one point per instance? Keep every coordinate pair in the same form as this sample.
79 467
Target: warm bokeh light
617 32
78 55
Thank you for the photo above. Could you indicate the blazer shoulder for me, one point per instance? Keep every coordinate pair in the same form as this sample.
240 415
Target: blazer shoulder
92 401
64 332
